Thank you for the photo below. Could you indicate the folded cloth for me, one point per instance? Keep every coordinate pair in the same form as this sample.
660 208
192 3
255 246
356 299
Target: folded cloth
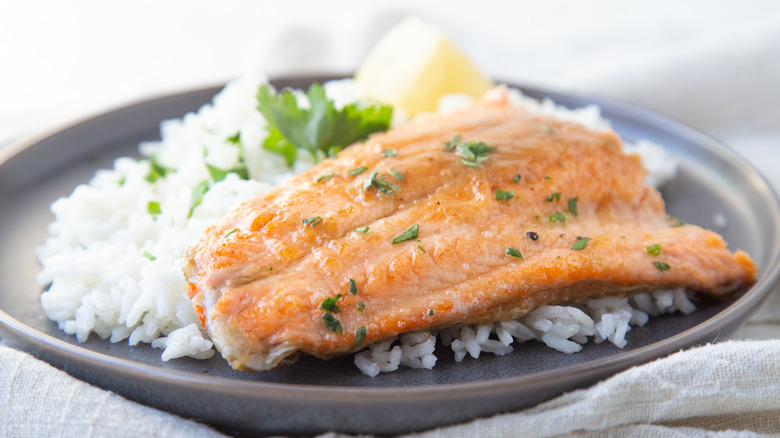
731 387
38 400
726 389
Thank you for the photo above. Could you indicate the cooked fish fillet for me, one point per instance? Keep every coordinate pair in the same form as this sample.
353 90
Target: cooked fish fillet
295 271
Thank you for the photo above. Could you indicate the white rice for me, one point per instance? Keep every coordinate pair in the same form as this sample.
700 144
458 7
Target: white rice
114 269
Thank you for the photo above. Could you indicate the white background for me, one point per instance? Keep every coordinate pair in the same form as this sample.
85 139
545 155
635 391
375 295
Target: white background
679 57
712 64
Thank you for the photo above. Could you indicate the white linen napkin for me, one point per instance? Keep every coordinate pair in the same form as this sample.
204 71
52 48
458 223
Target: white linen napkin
38 400
732 388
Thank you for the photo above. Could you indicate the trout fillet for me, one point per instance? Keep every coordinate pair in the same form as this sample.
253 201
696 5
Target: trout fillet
542 211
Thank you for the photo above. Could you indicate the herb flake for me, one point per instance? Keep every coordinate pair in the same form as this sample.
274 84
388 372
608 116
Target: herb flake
332 323
149 256
573 205
387 153
363 230
228 232
329 304
218 174
236 139
313 221
353 287
471 153
156 170
654 250
581 243
326 176
361 306
512 252
662 266
556 196
357 171
409 234
197 195
153 208
360 336
517 178
503 195
378 182
397 174
558 216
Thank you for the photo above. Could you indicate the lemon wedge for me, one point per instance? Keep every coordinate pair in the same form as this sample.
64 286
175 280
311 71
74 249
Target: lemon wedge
414 65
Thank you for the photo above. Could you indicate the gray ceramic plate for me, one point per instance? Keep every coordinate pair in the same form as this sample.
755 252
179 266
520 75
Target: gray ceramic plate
314 395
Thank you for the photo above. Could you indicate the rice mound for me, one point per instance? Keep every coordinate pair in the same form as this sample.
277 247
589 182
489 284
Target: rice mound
112 260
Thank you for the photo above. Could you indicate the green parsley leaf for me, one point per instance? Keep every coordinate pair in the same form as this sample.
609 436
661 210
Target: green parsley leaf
329 304
554 197
558 216
409 234
313 221
326 176
512 252
581 243
360 336
228 232
387 153
149 256
236 139
471 153
547 177
270 268
276 143
573 205
381 184
430 312
662 266
517 178
153 208
357 171
503 195
546 129
197 195
352 287
319 128
156 170
332 323
419 247
397 174
361 306
363 230
654 250
218 174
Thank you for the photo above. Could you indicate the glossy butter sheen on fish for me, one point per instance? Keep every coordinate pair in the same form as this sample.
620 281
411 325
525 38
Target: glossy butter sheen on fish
479 215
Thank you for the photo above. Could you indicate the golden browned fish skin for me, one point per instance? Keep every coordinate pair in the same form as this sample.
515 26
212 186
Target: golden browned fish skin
258 278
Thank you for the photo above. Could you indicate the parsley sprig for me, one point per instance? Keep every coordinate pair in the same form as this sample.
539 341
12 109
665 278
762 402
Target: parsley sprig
321 128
